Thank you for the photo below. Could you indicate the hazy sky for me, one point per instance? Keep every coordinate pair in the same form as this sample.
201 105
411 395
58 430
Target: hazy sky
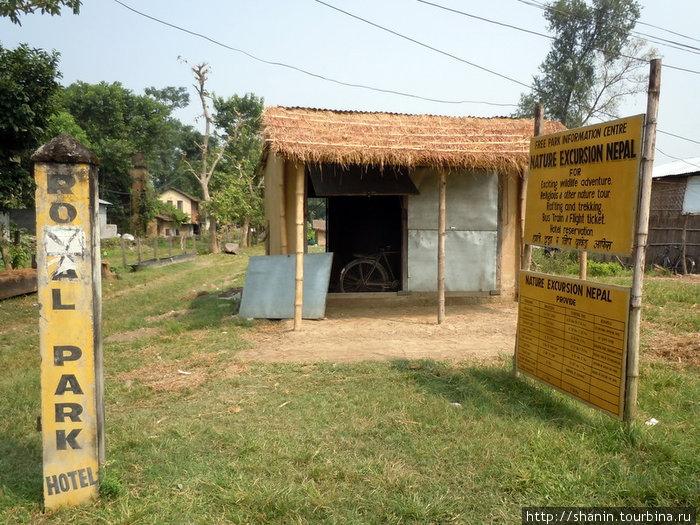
108 42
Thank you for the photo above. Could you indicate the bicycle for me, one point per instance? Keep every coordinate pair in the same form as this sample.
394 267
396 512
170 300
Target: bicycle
675 264
366 273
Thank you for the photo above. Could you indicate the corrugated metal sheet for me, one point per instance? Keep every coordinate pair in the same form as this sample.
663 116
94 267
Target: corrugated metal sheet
691 203
270 282
677 167
471 241
470 261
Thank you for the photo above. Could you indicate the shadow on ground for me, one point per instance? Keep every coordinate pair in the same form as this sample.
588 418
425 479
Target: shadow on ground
493 390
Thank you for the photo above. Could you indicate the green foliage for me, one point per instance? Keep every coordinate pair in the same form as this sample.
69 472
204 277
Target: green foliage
576 81
20 254
556 262
118 124
63 122
605 269
179 217
28 85
236 186
14 8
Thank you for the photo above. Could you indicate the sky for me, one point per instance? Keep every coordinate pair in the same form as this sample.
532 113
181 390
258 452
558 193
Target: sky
479 68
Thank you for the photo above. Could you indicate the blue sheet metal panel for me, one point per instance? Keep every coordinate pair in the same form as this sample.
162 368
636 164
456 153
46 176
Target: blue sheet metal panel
270 282
470 261
472 201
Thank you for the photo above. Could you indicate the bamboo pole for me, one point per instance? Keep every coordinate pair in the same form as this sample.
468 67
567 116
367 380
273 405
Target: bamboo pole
123 247
641 241
526 249
283 209
299 289
442 198
684 237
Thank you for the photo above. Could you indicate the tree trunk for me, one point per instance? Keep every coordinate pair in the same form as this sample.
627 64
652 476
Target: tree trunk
245 232
213 244
6 257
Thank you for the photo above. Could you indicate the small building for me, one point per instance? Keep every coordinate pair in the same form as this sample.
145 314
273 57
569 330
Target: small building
25 218
379 175
674 215
164 226
107 231
319 228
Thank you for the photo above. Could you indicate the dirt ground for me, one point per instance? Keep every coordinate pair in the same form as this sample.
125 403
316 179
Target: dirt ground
482 332
355 333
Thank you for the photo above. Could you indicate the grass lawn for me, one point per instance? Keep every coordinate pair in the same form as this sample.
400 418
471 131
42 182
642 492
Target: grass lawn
368 442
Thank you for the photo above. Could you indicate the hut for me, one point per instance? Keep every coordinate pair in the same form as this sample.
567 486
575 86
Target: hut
674 216
379 174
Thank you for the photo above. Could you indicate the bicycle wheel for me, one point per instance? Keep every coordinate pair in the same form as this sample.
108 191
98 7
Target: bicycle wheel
363 275
689 265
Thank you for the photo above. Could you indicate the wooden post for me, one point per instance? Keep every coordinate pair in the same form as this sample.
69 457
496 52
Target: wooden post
299 288
442 212
70 294
138 249
155 247
170 246
642 235
684 237
527 249
283 209
526 260
123 246
582 265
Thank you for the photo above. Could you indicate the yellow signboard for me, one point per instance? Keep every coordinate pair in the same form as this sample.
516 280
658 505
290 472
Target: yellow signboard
582 187
65 211
572 335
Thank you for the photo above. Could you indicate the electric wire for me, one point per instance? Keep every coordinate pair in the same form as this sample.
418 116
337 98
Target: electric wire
658 40
381 90
678 158
484 19
418 42
543 35
306 72
678 136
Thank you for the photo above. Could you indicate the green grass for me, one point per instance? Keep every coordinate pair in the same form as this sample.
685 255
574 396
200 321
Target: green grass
373 442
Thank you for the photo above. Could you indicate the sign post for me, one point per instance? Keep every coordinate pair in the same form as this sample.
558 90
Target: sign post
572 335
585 192
582 189
640 248
69 292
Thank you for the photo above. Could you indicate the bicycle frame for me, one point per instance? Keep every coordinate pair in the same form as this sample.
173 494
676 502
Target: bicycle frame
366 273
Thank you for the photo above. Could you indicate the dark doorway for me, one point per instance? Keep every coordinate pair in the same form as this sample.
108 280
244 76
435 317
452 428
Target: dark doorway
363 226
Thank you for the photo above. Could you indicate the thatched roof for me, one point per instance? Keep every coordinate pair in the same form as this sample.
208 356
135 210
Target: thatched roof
389 139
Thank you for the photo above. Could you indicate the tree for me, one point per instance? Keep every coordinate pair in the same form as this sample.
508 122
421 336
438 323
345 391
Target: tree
118 124
227 150
14 8
237 186
588 68
28 87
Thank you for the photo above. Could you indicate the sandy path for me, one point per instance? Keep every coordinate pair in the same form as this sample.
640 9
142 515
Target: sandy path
389 332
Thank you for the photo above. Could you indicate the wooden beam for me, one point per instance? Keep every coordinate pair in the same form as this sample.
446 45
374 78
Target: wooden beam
641 240
299 205
442 212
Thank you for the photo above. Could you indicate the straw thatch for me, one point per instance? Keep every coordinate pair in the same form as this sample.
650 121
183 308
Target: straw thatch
388 139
